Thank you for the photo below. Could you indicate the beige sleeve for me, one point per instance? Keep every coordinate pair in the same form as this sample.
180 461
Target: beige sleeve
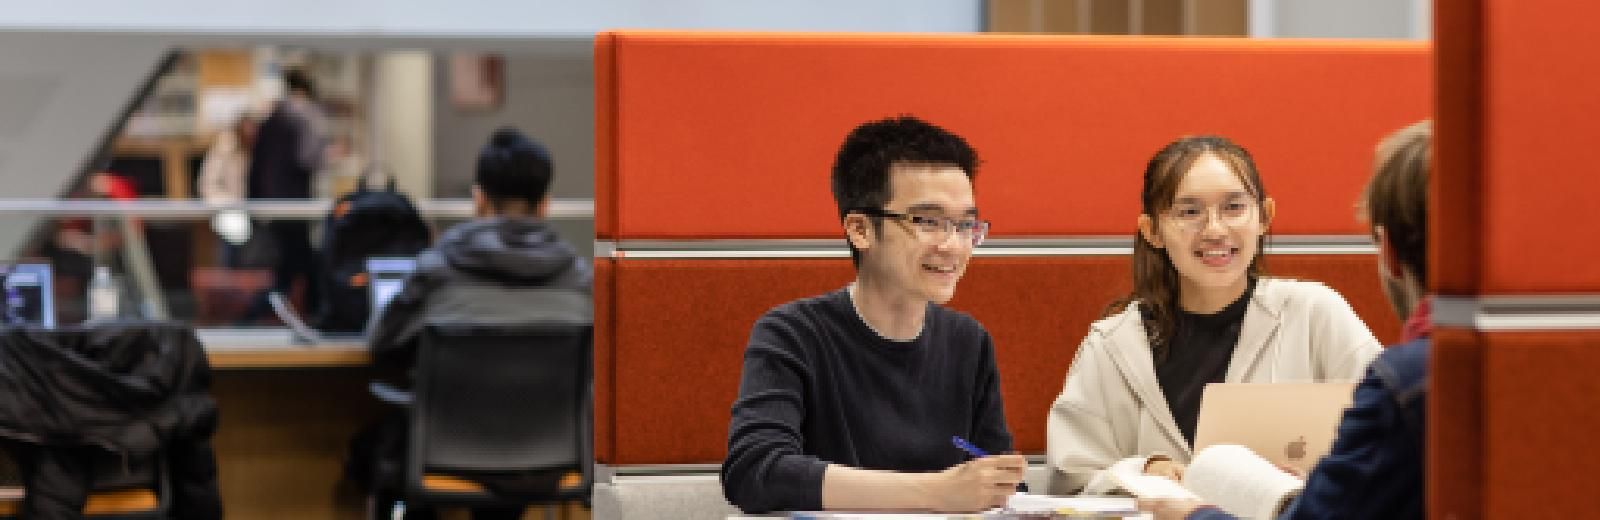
1081 440
1343 344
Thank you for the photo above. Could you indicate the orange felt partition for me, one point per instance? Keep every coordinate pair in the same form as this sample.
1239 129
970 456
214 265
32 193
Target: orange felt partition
1511 410
1513 120
731 135
681 327
1538 187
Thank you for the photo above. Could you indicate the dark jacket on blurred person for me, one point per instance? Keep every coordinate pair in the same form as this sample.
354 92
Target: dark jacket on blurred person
497 270
288 150
105 407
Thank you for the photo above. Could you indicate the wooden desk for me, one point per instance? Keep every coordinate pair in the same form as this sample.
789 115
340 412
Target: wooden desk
275 348
287 414
230 357
283 433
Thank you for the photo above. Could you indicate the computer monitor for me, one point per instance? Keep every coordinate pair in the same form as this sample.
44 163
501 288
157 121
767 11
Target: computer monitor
386 275
29 295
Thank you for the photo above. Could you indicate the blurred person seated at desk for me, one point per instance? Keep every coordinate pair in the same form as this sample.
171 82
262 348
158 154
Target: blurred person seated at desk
78 244
506 266
849 400
1375 468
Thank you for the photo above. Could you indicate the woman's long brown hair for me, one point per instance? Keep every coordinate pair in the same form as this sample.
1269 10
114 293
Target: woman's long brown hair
1155 280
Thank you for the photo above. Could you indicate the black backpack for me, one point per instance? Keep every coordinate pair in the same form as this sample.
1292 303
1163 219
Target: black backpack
362 224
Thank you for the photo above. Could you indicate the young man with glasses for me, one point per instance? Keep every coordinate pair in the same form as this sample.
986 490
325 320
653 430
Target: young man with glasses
852 399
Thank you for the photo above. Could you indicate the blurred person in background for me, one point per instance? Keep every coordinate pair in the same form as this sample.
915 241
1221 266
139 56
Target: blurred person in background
222 175
289 148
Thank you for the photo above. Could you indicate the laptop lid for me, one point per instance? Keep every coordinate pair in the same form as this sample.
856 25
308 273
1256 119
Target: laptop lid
29 295
1290 424
386 275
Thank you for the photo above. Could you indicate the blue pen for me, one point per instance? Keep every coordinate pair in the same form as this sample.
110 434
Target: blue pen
968 447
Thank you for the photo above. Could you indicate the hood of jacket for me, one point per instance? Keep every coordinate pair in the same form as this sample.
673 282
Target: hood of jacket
521 251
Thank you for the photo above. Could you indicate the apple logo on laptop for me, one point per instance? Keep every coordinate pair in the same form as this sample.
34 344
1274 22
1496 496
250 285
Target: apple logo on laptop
1296 449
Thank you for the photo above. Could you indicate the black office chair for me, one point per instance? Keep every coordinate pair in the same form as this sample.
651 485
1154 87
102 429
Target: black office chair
502 416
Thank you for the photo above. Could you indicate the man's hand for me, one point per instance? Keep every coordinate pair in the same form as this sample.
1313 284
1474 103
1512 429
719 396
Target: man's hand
1168 508
1165 468
977 484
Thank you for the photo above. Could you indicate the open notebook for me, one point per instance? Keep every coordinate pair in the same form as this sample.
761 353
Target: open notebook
1228 476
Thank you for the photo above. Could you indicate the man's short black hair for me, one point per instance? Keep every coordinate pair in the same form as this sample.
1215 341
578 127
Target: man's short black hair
513 167
861 169
298 80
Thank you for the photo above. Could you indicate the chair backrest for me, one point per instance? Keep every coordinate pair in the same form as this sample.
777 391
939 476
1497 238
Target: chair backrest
504 398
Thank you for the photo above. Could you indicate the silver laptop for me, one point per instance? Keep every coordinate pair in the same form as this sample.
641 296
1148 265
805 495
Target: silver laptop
1291 424
386 276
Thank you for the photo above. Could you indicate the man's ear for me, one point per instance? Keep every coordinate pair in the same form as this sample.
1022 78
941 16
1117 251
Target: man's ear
480 203
1147 229
858 230
1386 253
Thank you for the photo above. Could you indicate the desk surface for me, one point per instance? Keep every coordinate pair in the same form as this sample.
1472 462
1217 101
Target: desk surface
1023 506
276 348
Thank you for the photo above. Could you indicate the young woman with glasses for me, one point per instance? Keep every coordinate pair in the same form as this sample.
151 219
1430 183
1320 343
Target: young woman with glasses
1200 312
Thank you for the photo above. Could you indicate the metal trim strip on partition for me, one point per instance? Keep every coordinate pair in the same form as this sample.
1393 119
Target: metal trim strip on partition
1518 312
994 247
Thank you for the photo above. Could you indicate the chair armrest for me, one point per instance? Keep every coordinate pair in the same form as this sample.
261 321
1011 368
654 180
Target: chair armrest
389 394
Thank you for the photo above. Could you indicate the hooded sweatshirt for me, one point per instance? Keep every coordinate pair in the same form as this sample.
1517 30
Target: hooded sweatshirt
497 270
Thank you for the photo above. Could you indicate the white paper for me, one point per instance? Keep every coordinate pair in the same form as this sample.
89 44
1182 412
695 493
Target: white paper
1028 503
1239 481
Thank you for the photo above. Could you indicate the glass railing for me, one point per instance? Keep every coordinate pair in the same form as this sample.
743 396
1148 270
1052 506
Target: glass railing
208 265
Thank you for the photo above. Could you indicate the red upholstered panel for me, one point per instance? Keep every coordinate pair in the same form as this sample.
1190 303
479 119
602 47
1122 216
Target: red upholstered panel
732 135
1355 277
1540 418
604 366
1455 425
681 328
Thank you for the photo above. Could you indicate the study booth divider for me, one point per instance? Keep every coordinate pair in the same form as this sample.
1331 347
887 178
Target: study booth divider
712 199
1516 346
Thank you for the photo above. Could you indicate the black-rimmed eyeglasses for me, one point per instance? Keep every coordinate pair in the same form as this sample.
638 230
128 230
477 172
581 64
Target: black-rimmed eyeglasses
932 228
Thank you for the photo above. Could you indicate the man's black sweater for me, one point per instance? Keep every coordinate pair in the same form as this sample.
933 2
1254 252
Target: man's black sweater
820 387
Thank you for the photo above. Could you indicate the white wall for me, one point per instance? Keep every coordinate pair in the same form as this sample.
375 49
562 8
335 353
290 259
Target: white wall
402 112
1399 19
504 17
550 97
60 97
